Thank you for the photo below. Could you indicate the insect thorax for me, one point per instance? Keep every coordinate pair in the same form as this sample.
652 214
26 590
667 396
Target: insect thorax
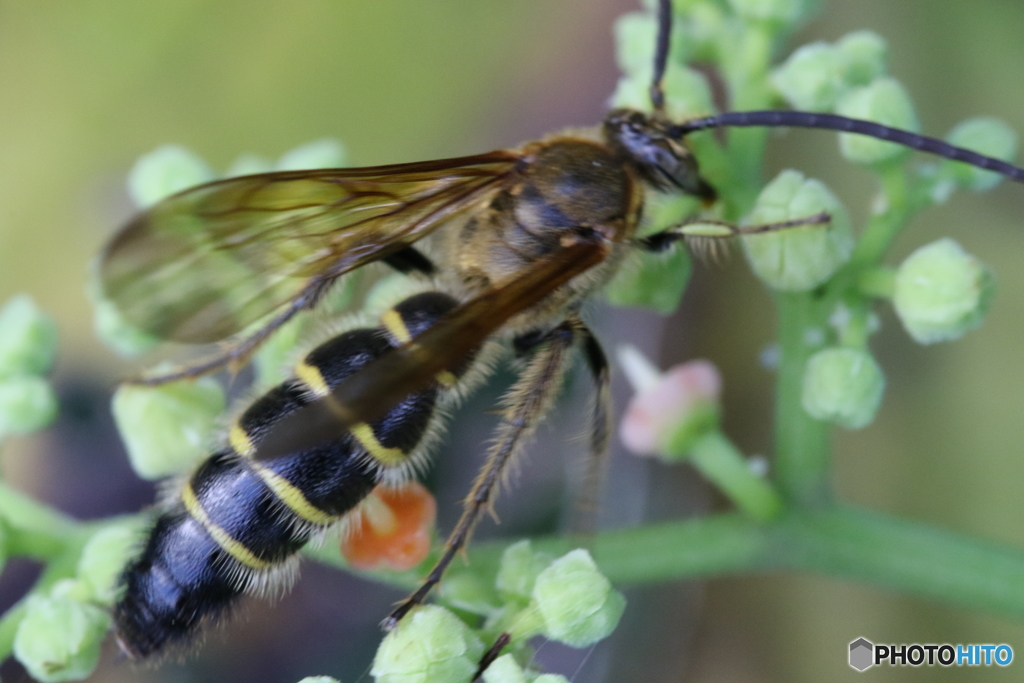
567 186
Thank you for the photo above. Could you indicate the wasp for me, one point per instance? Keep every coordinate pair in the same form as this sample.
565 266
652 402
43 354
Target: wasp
520 239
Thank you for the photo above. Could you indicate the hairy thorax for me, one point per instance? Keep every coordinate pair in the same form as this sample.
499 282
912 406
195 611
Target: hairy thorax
566 186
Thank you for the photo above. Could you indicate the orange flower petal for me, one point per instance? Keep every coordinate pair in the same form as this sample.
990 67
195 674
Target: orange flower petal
392 529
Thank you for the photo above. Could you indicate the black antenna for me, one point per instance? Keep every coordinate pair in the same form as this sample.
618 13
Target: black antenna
661 54
842 124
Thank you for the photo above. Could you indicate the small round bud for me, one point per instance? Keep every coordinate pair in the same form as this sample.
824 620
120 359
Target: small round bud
800 258
687 93
505 669
27 404
324 153
634 50
117 333
59 638
812 78
883 101
104 558
165 171
942 292
166 428
654 281
781 11
986 135
430 645
319 679
249 164
28 338
469 592
520 565
865 53
844 386
578 604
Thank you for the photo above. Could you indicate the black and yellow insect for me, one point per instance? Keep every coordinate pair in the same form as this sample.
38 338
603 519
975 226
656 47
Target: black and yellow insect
238 522
519 239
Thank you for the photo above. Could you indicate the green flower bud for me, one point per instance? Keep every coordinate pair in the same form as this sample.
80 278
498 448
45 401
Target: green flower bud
166 428
518 571
843 385
578 604
324 153
702 31
687 93
886 102
319 679
504 669
942 292
165 171
104 557
782 11
249 164
801 258
468 592
27 404
28 338
71 589
986 135
551 678
634 49
59 638
812 79
113 330
655 281
430 645
865 53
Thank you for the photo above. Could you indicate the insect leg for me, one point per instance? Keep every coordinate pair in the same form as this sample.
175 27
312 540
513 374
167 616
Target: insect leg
704 228
600 429
526 403
237 354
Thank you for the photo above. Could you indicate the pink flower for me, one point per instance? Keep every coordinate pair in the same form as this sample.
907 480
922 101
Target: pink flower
667 407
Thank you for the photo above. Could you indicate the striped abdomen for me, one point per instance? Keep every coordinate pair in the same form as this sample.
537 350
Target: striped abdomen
239 522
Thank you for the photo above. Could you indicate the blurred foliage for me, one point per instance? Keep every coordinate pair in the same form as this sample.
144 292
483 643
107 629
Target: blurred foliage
86 87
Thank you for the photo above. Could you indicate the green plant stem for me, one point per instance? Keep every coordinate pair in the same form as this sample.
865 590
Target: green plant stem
725 466
34 529
838 541
802 453
878 282
841 542
883 227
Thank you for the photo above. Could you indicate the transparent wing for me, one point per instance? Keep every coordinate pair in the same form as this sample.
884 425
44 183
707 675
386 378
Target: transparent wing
204 263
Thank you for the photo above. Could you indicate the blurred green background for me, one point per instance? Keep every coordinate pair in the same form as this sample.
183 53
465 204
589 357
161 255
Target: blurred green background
88 86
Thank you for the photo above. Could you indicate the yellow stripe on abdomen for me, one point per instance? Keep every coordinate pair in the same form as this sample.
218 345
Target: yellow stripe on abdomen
289 494
311 377
381 453
218 534
393 323
240 441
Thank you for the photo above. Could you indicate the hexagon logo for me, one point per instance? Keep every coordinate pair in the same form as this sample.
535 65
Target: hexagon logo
862 653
